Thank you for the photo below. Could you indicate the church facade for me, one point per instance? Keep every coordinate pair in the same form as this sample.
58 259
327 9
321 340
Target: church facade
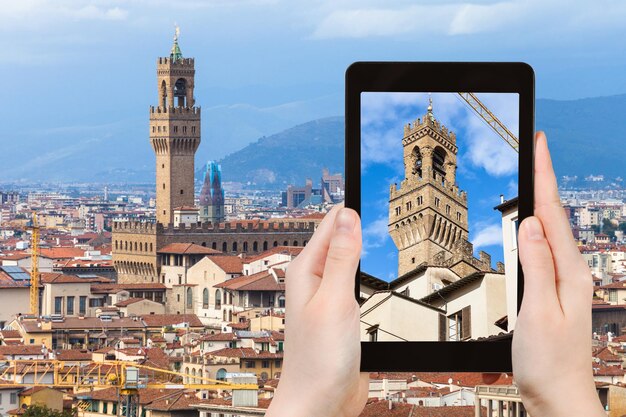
175 136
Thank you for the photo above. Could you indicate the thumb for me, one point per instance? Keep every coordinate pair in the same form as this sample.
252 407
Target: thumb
343 255
538 265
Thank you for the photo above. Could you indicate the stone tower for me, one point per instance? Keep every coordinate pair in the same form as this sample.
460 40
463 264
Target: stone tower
428 212
174 133
212 195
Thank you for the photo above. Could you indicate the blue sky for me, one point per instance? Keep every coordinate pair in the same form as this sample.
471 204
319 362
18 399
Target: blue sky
486 167
80 74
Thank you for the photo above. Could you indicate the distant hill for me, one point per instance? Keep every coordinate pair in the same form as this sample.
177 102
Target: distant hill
586 136
290 156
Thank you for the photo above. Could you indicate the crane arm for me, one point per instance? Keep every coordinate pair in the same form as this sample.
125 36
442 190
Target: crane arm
484 113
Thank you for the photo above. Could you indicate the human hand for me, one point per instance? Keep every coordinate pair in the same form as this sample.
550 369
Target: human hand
552 337
321 375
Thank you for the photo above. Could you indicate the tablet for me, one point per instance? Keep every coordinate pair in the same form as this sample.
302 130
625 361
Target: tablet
439 167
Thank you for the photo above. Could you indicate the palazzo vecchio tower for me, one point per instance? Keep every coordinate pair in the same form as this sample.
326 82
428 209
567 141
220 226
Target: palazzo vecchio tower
174 138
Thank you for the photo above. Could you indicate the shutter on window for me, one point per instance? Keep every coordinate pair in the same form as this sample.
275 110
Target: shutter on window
466 325
443 327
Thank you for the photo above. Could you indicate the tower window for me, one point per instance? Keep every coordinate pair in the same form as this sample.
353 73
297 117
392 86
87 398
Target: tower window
184 129
175 129
412 260
439 157
398 210
181 192
409 205
447 209
162 165
437 201
153 129
458 216
164 186
193 129
420 200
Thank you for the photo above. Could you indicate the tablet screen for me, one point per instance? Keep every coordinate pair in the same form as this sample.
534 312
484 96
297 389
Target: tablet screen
439 187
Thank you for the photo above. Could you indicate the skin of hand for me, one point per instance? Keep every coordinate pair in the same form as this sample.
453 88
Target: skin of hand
320 376
552 337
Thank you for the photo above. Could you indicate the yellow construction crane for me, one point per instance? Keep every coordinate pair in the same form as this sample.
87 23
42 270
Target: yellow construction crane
126 377
484 113
34 266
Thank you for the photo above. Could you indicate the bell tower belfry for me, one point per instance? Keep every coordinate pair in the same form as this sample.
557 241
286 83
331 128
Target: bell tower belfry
174 133
428 212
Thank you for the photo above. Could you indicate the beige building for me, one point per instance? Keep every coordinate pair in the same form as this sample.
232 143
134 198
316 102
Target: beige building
68 295
14 295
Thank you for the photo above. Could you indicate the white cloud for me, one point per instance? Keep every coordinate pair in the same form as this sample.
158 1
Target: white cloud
375 235
488 236
361 20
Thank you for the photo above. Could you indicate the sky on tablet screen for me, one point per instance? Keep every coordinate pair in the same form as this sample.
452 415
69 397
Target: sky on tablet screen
486 167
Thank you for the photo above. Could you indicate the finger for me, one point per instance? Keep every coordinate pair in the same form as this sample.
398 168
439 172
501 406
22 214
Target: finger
343 256
569 264
540 291
304 273
315 251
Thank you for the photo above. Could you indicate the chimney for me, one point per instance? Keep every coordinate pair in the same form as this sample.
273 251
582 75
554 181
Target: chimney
501 198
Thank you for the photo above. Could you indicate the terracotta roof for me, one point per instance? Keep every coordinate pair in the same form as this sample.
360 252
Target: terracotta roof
602 370
146 395
463 379
10 334
220 337
62 252
187 249
20 350
161 320
86 323
615 285
73 355
607 356
178 401
378 408
287 250
261 281
245 353
263 403
59 278
130 301
228 263
111 288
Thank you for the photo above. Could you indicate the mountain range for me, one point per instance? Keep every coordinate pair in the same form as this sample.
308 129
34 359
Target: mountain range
586 136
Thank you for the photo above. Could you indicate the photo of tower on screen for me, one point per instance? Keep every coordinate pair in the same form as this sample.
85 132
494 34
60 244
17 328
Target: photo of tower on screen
439 183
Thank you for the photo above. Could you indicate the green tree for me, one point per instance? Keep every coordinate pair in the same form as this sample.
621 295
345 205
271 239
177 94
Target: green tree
43 411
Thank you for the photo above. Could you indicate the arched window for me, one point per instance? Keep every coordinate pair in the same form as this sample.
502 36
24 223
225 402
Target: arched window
295 243
417 162
439 158
245 246
224 247
116 245
189 298
265 245
221 374
230 316
285 243
163 94
218 299
205 298
214 245
275 243
180 92
281 301
234 246
255 246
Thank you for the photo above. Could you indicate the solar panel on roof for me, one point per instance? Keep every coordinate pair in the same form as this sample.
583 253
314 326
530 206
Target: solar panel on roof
16 273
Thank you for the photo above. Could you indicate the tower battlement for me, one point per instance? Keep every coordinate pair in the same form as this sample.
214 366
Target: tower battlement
181 62
419 127
136 227
160 112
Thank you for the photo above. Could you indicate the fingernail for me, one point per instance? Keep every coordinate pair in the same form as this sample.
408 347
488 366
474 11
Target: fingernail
534 230
345 221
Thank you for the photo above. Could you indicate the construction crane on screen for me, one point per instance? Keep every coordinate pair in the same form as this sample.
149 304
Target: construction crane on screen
488 117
